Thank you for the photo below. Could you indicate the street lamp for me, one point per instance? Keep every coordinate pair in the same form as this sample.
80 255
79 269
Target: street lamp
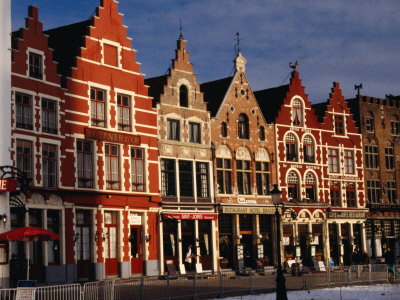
280 279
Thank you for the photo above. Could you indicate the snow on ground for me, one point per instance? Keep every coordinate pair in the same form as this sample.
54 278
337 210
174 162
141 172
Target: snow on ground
364 292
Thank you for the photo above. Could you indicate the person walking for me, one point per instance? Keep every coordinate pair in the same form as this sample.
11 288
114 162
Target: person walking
189 258
365 260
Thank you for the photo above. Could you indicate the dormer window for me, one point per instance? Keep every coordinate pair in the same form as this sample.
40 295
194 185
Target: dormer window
243 127
297 113
35 65
183 96
339 125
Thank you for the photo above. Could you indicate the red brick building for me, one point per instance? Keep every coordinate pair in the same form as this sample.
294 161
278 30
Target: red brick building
244 168
306 166
84 129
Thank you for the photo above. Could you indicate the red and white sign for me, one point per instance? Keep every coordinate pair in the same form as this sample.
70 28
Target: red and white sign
8 185
191 216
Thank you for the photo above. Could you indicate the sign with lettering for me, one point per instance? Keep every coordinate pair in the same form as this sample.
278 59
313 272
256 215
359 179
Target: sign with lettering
25 294
248 210
112 137
8 185
347 214
135 220
191 216
384 207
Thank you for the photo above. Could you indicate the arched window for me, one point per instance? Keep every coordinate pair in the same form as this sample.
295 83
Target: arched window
262 133
297 113
293 186
224 129
243 127
308 149
291 148
311 190
183 96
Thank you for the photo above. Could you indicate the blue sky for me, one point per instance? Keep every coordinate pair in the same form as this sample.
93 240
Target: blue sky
350 42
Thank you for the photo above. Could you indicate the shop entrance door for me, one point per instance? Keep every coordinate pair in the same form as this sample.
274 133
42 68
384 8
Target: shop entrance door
83 245
334 244
136 250
110 236
248 250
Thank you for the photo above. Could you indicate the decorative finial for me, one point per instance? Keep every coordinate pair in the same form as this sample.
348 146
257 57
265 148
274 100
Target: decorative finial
295 65
358 88
237 45
180 30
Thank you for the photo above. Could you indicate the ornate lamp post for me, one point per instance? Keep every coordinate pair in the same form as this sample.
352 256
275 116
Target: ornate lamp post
280 279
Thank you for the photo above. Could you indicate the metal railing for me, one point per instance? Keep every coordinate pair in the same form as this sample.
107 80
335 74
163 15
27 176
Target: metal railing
208 285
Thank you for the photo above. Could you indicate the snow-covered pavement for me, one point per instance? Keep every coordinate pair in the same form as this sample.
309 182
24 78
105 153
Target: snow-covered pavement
364 292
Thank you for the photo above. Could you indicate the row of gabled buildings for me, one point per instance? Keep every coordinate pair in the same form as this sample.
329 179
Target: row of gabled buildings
131 171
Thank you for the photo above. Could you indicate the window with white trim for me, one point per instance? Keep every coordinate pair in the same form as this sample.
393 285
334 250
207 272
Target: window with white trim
186 178
333 160
394 126
97 107
85 163
24 157
308 149
168 179
291 148
49 116
49 165
334 188
35 65
371 157
311 188
339 125
124 112
23 108
137 169
297 113
113 181
349 162
173 130
243 173
224 176
262 177
369 123
202 180
293 186
351 194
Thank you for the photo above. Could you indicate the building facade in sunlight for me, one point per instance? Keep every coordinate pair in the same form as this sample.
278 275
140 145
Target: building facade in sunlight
186 182
84 129
244 171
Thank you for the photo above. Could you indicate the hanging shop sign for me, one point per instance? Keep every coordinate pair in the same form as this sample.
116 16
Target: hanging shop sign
248 210
191 216
347 214
112 137
8 185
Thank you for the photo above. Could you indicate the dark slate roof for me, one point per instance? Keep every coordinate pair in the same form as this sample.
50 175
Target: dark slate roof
156 87
214 93
270 101
15 35
66 42
319 110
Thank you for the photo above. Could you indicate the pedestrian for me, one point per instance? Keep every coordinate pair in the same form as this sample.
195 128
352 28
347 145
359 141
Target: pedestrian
355 257
389 259
189 258
365 258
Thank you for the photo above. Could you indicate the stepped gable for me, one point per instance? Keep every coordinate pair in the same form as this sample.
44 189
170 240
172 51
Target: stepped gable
32 38
181 72
87 40
214 93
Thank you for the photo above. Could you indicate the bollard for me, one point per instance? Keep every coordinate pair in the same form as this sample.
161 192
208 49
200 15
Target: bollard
251 284
369 273
221 295
194 288
141 287
329 276
168 288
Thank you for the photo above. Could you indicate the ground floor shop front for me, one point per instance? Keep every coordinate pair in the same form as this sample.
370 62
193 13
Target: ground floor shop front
181 230
96 241
246 237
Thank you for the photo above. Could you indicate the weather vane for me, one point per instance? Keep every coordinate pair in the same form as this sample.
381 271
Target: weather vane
358 88
295 65
180 30
237 45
